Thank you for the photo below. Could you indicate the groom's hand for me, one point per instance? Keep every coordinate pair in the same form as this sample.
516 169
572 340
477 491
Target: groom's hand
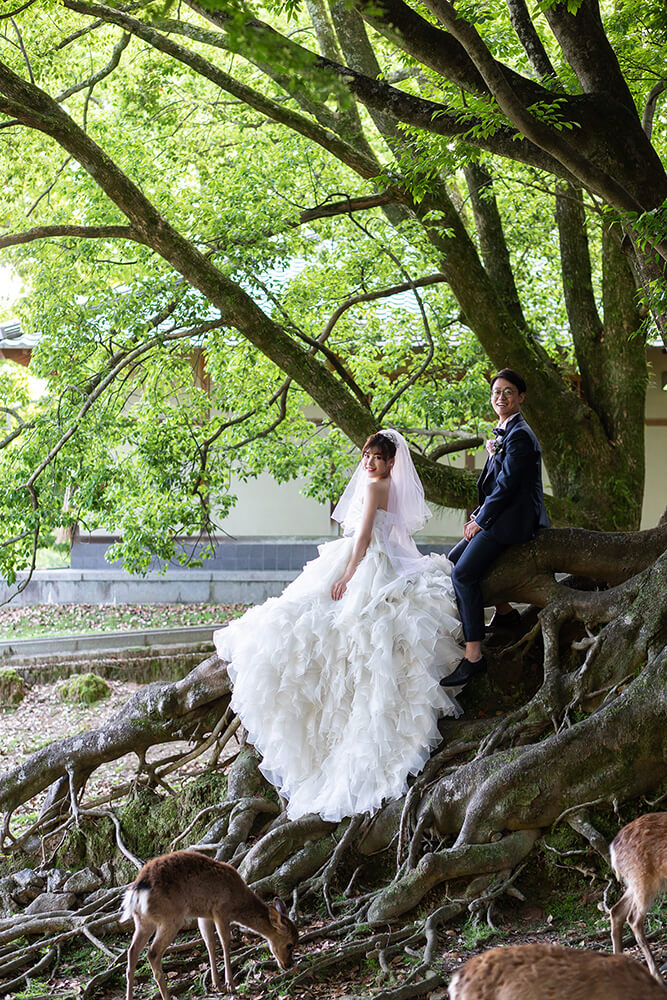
470 530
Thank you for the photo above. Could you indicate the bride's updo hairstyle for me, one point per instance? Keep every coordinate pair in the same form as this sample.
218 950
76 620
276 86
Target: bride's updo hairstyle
384 445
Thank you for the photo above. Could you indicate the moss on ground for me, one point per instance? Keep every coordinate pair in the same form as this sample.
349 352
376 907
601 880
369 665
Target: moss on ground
84 689
149 821
12 687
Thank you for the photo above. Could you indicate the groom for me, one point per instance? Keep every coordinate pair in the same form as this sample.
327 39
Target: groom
511 509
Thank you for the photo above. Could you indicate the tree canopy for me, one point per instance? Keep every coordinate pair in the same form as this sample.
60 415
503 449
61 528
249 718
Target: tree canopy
227 212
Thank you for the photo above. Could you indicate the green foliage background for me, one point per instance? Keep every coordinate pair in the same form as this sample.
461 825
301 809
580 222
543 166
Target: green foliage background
234 182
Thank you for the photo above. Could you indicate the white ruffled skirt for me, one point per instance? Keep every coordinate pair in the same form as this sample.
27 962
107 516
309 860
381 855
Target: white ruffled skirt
341 698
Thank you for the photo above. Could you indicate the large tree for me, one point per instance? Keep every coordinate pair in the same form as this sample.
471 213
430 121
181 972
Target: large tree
150 124
158 154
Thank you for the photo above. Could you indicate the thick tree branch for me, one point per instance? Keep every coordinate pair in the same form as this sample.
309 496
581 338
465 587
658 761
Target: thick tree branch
237 309
359 55
499 334
581 33
495 253
37 110
441 120
290 65
525 121
440 50
458 444
429 115
326 38
649 110
608 152
487 296
329 209
608 558
529 38
286 65
17 10
582 313
347 153
80 232
611 358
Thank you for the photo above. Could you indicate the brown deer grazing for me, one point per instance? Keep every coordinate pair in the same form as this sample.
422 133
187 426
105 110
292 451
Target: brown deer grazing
170 889
547 972
639 858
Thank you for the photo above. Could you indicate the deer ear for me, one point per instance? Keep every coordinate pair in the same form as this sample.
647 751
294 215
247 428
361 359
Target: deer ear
278 913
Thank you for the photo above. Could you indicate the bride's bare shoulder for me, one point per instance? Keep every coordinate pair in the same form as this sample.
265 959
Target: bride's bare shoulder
378 492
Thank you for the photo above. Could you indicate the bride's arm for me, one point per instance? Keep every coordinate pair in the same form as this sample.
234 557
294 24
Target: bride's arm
372 498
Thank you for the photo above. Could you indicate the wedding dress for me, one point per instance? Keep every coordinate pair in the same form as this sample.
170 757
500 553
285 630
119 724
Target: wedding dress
341 698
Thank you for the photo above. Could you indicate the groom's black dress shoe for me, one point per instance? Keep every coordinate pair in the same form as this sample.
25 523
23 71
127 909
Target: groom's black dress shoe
511 620
464 672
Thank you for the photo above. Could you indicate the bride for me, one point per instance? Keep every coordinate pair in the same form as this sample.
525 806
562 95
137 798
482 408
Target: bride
337 680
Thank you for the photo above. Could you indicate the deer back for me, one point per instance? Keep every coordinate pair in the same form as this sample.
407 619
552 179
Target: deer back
197 886
639 853
549 972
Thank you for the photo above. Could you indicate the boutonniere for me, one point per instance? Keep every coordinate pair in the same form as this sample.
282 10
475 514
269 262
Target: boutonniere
495 447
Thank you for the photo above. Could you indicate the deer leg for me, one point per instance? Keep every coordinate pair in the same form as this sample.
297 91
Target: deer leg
636 920
222 928
142 932
164 935
207 931
619 914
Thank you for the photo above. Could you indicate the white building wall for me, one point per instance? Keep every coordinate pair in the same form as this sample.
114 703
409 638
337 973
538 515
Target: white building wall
655 438
269 509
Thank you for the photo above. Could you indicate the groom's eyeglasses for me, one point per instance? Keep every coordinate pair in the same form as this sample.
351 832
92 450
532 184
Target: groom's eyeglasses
505 393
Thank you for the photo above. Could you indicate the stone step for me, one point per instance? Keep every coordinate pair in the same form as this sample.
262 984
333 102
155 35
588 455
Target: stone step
143 665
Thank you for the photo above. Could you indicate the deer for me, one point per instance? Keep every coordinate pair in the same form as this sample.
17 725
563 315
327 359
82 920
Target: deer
638 856
184 884
549 972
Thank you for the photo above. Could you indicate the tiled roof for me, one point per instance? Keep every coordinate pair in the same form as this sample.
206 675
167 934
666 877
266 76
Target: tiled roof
12 338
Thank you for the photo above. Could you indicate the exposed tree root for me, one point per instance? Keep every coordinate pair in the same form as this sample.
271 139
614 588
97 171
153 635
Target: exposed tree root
159 713
592 733
50 932
434 868
280 844
411 990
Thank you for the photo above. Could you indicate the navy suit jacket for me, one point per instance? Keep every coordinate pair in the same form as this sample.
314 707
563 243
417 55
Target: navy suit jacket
511 502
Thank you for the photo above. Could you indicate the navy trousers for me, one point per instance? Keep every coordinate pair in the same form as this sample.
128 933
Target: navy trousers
471 561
